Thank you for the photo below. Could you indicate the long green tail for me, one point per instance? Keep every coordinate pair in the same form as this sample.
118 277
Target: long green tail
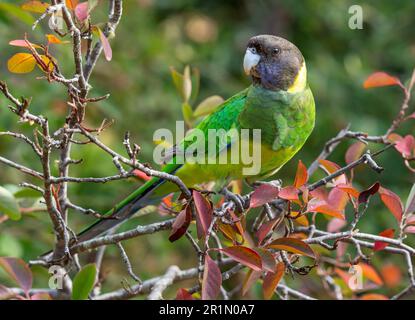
140 198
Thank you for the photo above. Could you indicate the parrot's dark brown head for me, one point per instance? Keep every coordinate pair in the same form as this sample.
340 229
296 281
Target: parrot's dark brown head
275 64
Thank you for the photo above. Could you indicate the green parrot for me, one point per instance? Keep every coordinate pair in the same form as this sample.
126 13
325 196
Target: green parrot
279 104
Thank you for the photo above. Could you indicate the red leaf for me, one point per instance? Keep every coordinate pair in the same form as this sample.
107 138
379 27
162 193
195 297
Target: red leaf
250 278
292 245
366 194
354 152
82 11
380 245
337 199
321 206
301 176
288 193
212 279
262 195
332 167
244 255
204 214
141 175
265 229
380 79
348 189
183 294
405 146
392 202
19 271
105 45
272 279
181 224
319 193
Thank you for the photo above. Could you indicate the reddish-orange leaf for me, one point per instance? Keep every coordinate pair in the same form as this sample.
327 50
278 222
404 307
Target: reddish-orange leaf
354 152
394 137
380 245
288 193
338 199
348 189
380 79
265 229
35 6
71 4
271 280
345 276
250 278
105 45
244 255
204 214
181 224
141 175
366 194
53 39
321 206
370 273
391 275
320 193
392 202
373 296
212 279
330 166
183 294
292 245
406 146
301 176
263 194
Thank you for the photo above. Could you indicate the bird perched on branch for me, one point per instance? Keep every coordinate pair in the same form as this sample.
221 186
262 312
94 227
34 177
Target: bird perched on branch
279 104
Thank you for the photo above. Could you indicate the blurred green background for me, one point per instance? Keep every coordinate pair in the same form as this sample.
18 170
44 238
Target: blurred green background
211 36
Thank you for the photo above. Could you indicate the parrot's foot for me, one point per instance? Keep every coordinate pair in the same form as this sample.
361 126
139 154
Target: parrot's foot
237 199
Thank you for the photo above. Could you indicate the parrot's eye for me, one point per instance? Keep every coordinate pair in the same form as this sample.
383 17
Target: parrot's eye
253 50
276 51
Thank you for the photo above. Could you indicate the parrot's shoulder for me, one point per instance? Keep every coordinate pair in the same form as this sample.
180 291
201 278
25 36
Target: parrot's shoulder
226 114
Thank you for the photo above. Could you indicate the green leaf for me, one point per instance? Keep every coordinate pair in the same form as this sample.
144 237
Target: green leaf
17 12
26 193
84 282
9 205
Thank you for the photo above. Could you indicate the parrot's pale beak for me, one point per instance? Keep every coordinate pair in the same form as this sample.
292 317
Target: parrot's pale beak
250 60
